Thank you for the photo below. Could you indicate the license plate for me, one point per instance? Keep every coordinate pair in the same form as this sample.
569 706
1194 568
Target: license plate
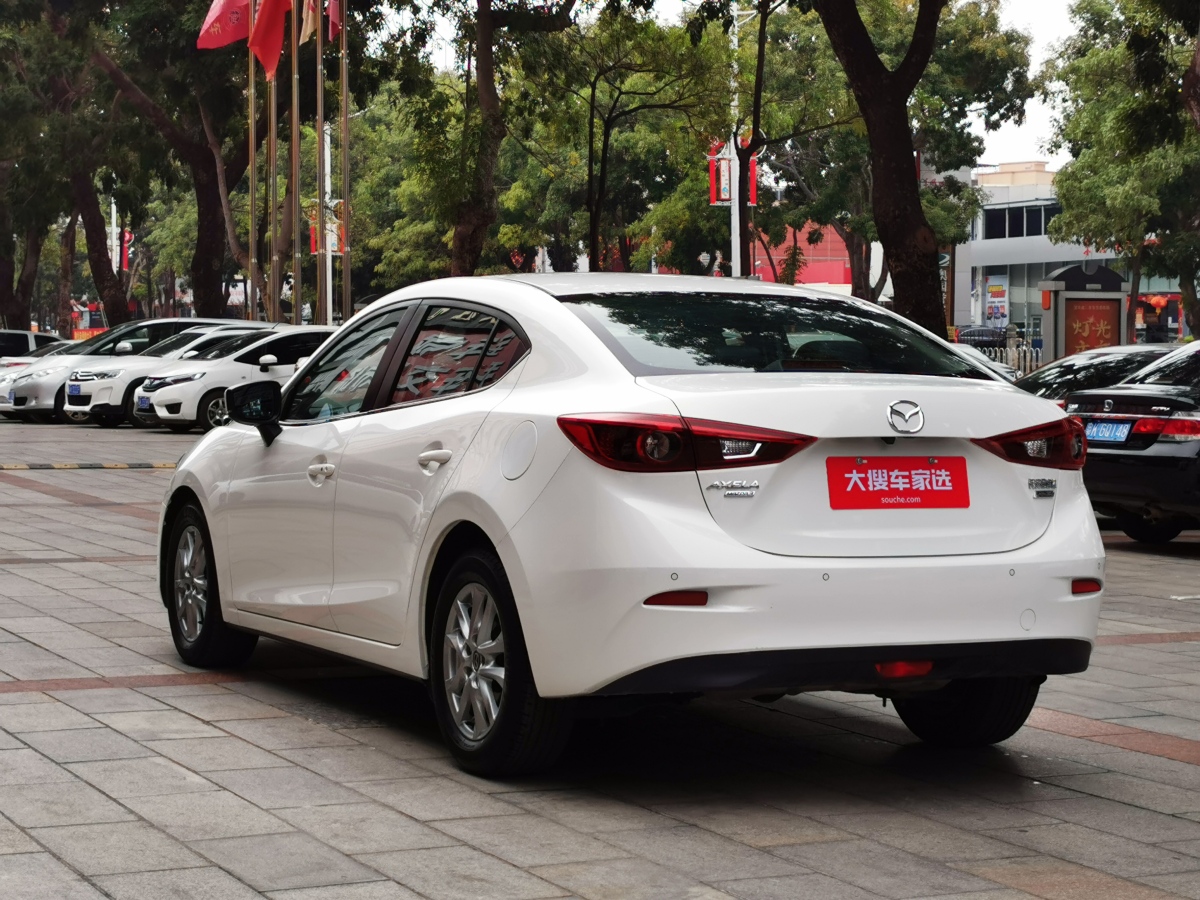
74 388
143 402
1112 432
895 482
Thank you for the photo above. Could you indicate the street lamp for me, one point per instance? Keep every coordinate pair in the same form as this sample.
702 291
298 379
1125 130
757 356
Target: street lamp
735 205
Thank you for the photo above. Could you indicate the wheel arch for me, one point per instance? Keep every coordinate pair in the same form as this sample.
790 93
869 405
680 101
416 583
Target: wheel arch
460 536
181 497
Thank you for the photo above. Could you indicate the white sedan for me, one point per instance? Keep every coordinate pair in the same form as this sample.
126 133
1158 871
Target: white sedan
534 491
191 392
104 394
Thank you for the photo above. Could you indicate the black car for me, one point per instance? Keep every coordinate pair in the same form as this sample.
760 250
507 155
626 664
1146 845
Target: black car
1143 463
1091 369
983 336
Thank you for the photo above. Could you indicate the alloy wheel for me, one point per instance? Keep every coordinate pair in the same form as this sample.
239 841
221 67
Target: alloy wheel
191 583
473 661
218 412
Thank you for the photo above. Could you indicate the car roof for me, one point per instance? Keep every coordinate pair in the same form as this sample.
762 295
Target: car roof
566 284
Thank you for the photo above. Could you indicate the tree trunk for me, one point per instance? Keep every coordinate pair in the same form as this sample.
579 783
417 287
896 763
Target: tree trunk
477 211
22 303
66 276
762 239
597 258
1135 288
858 249
108 283
208 255
8 243
1187 289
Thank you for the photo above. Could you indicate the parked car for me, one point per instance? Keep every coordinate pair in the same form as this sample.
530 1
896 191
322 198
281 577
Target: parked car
982 336
191 392
13 366
23 343
1004 370
1090 369
1144 437
39 392
556 488
104 394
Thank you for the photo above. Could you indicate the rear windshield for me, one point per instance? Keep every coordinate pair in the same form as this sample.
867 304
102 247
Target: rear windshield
1181 368
51 349
162 348
1083 373
669 333
233 345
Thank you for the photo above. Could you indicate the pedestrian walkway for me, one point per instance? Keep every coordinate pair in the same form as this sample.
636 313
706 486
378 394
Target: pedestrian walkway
126 774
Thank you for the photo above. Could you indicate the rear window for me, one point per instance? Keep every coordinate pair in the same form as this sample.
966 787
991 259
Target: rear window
1181 368
233 345
1084 373
672 333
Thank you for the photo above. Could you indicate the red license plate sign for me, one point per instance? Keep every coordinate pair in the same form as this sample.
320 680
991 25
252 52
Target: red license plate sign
891 482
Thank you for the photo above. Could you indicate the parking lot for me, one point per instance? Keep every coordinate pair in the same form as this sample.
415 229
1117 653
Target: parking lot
123 773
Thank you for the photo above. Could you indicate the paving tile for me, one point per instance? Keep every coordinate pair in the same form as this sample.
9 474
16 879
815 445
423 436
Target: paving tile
157 725
1055 879
884 870
283 787
401 745
356 828
700 854
356 763
286 734
42 717
587 812
188 884
84 745
434 798
39 876
274 862
216 707
115 847
1099 850
13 840
376 890
145 777
629 878
108 700
926 838
460 873
1134 791
794 887
206 816
1121 819
754 824
1183 885
61 803
526 840
212 754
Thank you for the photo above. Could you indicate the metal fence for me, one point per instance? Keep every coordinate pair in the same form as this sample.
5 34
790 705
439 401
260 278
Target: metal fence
1024 359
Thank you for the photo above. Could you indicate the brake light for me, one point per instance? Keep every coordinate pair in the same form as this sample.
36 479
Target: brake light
678 598
637 442
1148 426
1058 445
904 668
1085 586
1179 427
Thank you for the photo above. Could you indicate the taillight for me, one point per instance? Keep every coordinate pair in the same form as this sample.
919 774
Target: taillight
1059 445
1179 427
636 442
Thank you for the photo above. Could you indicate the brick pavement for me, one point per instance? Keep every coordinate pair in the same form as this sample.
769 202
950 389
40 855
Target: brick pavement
125 774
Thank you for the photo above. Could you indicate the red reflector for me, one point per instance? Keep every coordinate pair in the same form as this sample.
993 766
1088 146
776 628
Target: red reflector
678 598
1085 586
904 668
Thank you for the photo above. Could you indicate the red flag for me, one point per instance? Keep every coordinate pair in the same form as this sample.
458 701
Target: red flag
267 38
335 19
227 21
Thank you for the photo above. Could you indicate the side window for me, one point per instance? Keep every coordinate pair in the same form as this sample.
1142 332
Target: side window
42 340
139 338
14 345
162 331
338 381
445 354
288 349
504 349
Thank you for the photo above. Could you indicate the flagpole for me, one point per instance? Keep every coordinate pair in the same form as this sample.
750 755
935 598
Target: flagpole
344 87
319 307
273 192
296 211
251 298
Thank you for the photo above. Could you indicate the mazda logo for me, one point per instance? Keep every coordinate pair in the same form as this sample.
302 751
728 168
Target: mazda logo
905 417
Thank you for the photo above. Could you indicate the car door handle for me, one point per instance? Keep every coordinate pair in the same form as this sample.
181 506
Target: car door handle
318 472
430 457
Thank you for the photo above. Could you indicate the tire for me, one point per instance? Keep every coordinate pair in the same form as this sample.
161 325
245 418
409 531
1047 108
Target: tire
1148 531
57 417
179 428
201 636
13 416
130 409
211 410
520 732
972 712
110 420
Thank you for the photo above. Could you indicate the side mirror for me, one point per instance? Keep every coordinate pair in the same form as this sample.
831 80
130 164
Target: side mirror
301 363
189 354
259 403
265 362
124 348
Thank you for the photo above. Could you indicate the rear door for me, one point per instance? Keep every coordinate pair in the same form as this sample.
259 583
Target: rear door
400 459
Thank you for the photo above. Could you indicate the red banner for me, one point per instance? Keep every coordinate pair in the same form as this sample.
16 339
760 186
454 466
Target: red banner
890 482
1092 323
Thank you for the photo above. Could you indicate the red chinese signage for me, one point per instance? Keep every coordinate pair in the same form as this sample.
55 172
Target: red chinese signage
889 482
1092 323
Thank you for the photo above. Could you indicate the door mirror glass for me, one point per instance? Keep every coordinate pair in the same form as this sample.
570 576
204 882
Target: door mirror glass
124 348
257 403
266 361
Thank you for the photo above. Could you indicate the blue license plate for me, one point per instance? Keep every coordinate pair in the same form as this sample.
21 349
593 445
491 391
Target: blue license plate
143 402
74 389
1110 432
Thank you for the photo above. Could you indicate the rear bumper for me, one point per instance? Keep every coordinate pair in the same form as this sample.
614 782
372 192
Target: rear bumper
1144 482
852 668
